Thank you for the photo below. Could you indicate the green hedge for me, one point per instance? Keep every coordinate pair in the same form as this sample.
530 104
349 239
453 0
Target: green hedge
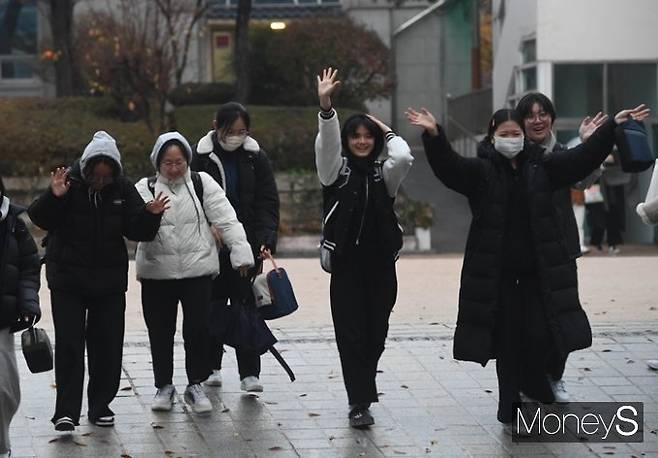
39 134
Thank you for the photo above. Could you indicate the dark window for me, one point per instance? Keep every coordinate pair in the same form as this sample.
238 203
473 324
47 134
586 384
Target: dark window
578 89
631 84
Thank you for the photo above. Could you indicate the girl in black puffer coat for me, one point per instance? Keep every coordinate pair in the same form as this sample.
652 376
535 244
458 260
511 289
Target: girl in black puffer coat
19 303
518 301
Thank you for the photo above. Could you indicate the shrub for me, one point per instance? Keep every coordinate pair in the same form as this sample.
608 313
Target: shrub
284 64
38 134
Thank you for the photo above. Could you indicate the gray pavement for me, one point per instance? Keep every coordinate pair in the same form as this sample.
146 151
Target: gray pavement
429 405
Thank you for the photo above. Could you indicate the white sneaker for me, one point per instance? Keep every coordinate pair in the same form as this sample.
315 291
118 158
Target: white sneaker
164 399
584 249
197 399
215 378
559 391
653 364
613 250
251 384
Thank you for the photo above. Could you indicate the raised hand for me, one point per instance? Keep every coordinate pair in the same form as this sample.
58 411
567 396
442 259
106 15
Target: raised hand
327 84
424 119
158 205
381 125
639 113
59 181
589 125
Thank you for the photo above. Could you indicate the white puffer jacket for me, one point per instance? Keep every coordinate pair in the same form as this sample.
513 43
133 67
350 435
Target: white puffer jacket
184 246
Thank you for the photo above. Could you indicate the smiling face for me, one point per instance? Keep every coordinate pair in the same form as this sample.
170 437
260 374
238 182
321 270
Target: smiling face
538 124
362 142
173 164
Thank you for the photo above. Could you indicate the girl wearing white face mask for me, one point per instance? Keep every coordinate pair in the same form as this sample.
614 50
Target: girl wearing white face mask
518 301
238 164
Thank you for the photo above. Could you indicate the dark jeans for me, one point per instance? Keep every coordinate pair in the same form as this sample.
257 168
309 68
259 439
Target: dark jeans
227 287
160 305
363 292
524 350
98 320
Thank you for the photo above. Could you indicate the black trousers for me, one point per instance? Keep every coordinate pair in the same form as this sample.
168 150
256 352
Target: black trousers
227 287
160 305
98 321
363 291
524 350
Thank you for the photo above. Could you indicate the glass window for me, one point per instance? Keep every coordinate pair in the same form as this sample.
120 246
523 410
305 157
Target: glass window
631 84
529 76
529 51
578 89
18 37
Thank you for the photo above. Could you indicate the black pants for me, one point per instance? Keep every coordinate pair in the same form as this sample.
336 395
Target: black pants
524 350
160 305
227 287
363 292
99 321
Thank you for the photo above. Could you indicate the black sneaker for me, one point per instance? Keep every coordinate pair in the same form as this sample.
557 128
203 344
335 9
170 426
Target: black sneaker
106 421
64 424
360 418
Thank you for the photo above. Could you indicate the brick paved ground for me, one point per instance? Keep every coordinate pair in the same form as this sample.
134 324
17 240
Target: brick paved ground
430 404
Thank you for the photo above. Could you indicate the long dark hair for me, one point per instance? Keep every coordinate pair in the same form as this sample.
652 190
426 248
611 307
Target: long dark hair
229 112
499 117
349 130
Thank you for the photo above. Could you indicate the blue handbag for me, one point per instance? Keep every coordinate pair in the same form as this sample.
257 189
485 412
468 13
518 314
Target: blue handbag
633 144
273 293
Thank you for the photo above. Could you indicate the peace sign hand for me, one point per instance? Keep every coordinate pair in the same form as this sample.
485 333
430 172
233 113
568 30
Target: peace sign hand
327 84
158 205
59 181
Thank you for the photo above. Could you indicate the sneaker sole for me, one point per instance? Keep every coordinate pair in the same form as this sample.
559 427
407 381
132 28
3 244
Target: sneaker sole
209 383
104 423
64 426
161 409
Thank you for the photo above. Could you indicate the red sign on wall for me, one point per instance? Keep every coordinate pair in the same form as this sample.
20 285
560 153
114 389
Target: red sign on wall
222 41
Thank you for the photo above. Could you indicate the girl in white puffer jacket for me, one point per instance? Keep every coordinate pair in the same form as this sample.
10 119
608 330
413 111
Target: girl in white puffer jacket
179 265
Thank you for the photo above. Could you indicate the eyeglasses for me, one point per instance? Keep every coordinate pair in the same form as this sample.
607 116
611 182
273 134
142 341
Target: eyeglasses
542 116
170 164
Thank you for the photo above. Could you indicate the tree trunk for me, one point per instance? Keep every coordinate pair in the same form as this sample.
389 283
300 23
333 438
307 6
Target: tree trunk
67 76
241 51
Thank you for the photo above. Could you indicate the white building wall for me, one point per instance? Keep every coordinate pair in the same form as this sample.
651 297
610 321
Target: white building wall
519 21
612 30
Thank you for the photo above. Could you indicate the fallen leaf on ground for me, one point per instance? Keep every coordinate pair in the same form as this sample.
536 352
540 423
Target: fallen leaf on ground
156 426
275 448
126 388
312 414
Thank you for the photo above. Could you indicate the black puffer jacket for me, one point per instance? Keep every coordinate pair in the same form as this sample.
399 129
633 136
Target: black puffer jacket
482 180
19 272
85 249
258 207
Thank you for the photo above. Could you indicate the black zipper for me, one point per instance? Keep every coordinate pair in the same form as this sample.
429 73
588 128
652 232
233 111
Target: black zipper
363 216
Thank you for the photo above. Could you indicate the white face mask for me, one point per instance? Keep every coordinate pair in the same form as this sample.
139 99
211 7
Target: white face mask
232 142
508 147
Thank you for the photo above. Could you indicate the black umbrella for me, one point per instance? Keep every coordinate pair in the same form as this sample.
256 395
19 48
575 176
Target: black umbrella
243 327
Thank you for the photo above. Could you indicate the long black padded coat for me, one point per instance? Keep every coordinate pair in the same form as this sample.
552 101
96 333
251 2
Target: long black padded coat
483 181
19 272
85 251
